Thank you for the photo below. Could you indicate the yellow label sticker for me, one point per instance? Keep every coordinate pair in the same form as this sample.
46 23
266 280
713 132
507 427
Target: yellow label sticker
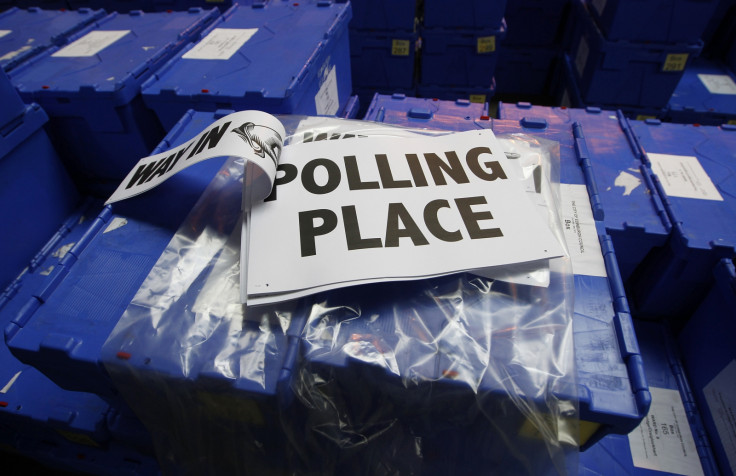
78 438
675 62
478 98
486 44
644 117
400 47
732 122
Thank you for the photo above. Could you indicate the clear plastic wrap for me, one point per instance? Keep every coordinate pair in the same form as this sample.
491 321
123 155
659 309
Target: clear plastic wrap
459 374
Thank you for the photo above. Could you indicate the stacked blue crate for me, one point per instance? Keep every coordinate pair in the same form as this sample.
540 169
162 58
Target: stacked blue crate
710 361
126 6
625 200
627 71
27 33
460 49
91 89
532 47
693 168
604 340
706 94
309 75
683 451
13 106
383 47
458 115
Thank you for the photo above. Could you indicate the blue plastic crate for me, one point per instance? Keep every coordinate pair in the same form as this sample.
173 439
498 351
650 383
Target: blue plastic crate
383 60
622 72
535 22
465 14
459 115
394 15
460 58
26 33
664 371
625 198
708 354
126 6
352 108
98 120
309 75
36 195
13 106
667 21
693 170
478 94
526 70
706 94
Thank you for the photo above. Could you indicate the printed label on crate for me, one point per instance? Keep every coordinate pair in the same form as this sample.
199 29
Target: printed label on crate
477 98
400 47
683 176
220 44
663 441
5 32
90 44
486 44
580 233
327 100
581 58
720 395
675 62
718 83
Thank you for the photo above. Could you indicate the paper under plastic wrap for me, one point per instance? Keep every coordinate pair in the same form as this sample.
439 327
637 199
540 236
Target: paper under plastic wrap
461 374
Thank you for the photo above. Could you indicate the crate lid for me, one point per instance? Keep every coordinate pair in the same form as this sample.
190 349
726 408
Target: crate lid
112 57
261 50
22 127
706 86
431 113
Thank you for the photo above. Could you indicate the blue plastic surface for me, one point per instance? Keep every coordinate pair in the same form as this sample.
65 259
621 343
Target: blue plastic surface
479 94
707 347
525 70
352 108
459 115
635 218
311 40
33 31
611 456
13 106
621 72
126 6
693 102
460 58
535 22
674 282
613 390
98 120
386 15
36 193
663 21
464 14
383 60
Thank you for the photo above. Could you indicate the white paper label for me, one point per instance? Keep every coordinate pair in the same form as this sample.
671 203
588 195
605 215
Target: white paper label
720 394
683 176
718 83
5 32
581 58
580 233
599 5
90 44
663 441
220 44
327 100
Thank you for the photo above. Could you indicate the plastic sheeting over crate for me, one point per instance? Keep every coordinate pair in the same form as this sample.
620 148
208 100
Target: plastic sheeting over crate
456 373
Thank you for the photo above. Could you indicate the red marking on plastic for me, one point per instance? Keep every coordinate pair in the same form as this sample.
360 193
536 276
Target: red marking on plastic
44 87
563 107
696 125
169 11
81 456
450 373
3 404
296 4
205 90
485 118
435 99
123 355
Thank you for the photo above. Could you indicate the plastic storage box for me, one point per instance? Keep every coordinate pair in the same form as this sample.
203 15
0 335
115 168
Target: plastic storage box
290 58
710 361
477 94
683 451
126 6
526 71
465 14
535 22
383 60
625 198
604 339
693 172
706 94
352 108
459 115
91 90
460 58
668 21
398 15
13 106
26 33
622 72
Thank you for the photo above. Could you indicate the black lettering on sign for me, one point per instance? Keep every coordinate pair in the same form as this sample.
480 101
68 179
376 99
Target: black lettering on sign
353 174
452 168
290 172
493 169
352 231
142 174
333 176
433 222
398 215
387 178
471 218
209 139
308 230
